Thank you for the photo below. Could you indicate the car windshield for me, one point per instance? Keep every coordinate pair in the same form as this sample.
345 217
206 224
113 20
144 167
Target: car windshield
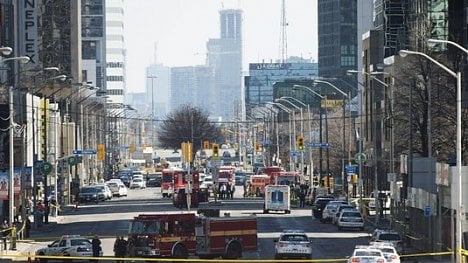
80 242
208 179
137 180
389 236
345 207
144 227
294 238
88 190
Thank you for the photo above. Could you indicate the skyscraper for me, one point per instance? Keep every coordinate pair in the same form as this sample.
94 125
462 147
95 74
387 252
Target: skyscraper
337 33
115 52
225 57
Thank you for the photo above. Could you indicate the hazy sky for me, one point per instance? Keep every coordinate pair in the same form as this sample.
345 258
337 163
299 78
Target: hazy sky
181 29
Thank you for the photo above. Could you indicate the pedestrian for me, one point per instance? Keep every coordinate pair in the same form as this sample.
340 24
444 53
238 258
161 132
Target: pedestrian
233 189
5 228
120 248
27 228
96 244
302 199
222 190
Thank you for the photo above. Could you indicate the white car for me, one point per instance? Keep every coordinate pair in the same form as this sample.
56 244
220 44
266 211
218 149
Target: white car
106 189
388 250
293 244
368 255
69 245
388 236
207 182
123 190
137 183
350 218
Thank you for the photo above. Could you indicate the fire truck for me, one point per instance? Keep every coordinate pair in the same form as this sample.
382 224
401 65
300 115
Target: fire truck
167 184
183 184
269 171
285 178
180 235
226 174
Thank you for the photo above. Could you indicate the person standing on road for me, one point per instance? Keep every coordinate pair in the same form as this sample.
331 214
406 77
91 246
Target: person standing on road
96 243
120 248
5 228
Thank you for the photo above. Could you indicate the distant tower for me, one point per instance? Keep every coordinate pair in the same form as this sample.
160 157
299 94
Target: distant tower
283 36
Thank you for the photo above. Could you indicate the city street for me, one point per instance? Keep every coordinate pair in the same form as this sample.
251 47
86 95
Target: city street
110 219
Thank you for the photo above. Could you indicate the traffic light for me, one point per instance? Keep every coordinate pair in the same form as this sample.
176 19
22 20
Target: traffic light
215 149
300 143
101 152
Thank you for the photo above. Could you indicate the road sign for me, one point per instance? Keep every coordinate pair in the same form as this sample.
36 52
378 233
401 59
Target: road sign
72 160
427 211
318 145
350 169
360 157
46 168
79 151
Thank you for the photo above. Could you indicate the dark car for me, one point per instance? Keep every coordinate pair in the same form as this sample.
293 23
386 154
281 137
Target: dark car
319 205
90 194
154 182
126 180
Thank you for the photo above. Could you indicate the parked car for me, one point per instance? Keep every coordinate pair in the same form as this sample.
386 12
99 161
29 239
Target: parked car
114 187
340 208
90 194
69 245
138 183
107 191
330 210
350 218
293 244
319 205
123 190
154 182
389 236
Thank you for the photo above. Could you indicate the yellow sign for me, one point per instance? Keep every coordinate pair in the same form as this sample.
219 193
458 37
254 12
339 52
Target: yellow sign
187 151
206 144
331 103
101 152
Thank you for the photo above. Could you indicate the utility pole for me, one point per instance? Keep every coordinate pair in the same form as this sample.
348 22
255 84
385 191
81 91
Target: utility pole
152 110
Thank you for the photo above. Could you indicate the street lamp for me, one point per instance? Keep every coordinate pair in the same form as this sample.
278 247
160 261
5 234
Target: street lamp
11 192
345 97
289 111
457 75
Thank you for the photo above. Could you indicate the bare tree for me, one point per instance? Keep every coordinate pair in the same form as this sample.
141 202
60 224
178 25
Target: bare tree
187 124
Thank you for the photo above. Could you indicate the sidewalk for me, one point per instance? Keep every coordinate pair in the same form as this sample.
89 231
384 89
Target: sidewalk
412 254
27 246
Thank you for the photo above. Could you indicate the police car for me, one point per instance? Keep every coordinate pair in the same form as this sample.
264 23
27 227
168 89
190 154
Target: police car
69 245
293 244
388 250
367 254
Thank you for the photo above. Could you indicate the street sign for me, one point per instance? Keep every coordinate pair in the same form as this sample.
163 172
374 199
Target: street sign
360 157
79 151
318 145
72 160
46 168
427 211
350 169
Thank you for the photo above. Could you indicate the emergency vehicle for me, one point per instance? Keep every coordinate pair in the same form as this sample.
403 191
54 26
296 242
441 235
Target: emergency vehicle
183 185
258 183
277 198
180 235
285 178
226 175
269 171
167 184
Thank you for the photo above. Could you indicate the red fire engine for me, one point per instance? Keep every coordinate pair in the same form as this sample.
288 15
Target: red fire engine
180 235
167 184
182 187
269 171
226 174
285 178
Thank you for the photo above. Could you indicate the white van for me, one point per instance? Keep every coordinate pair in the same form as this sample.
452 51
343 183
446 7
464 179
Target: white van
277 198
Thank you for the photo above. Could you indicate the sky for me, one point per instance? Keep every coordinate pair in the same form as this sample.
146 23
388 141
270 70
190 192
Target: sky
180 30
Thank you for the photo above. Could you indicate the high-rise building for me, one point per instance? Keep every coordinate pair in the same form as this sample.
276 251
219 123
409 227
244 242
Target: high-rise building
115 51
93 42
158 83
337 37
225 57
262 76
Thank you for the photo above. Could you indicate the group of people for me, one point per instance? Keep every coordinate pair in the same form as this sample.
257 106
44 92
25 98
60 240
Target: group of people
226 191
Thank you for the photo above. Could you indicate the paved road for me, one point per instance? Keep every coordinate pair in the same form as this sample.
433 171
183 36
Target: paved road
109 219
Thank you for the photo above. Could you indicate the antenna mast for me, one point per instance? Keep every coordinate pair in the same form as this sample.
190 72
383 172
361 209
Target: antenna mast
283 36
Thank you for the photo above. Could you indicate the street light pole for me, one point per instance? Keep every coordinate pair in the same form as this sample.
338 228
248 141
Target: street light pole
460 208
